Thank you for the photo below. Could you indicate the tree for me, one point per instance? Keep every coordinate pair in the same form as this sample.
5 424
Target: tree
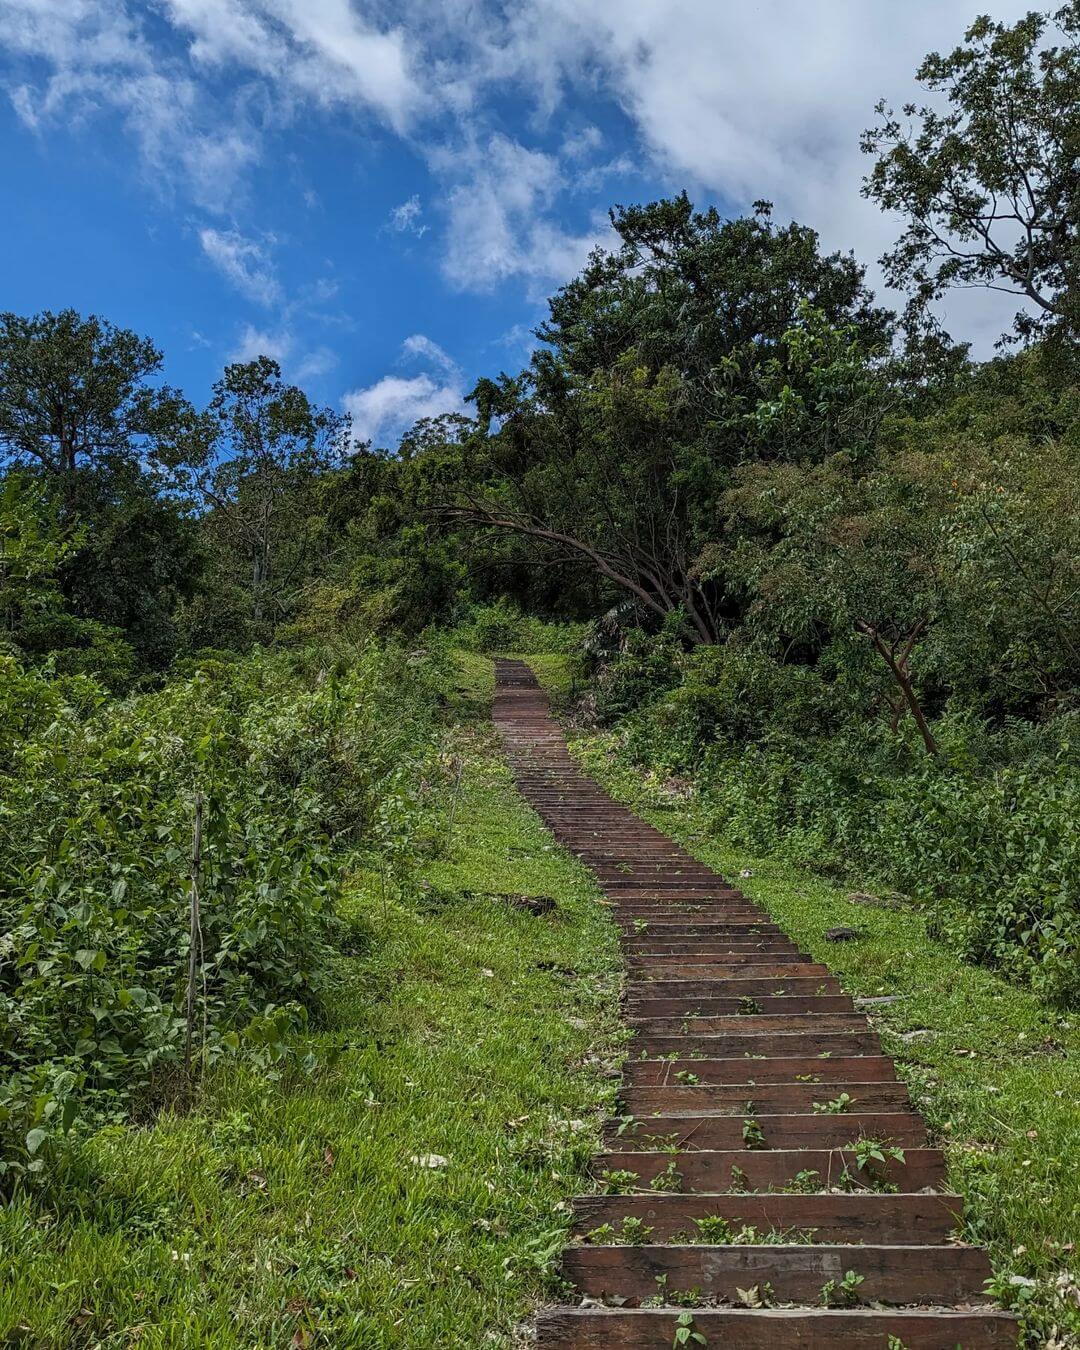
700 344
80 411
990 184
255 450
74 391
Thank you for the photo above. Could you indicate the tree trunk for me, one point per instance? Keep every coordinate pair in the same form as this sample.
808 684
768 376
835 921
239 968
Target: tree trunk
898 669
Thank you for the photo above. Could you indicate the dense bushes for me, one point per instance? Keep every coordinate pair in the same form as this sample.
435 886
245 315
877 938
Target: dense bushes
296 758
502 627
985 832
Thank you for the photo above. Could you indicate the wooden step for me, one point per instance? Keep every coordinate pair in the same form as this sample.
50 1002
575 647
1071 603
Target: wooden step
701 1129
863 1216
822 1044
764 1169
646 1007
762 1097
854 1068
811 1024
890 1274
776 1329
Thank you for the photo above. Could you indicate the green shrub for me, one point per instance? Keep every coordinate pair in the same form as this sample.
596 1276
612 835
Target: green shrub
985 834
502 627
298 759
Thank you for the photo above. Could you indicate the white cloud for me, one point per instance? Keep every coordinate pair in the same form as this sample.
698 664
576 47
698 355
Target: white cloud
405 219
500 220
383 411
255 342
319 50
281 346
740 101
422 348
244 263
386 409
749 101
82 58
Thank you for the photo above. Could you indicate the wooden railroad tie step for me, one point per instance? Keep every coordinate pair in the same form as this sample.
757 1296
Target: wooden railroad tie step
765 1142
776 1329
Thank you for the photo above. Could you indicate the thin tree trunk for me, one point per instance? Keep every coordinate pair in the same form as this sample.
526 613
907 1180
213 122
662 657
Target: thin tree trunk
900 674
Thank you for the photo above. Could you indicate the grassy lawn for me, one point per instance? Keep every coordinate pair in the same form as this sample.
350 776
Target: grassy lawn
409 1195
995 1072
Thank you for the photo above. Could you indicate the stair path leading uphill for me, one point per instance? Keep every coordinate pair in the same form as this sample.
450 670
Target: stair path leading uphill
738 1035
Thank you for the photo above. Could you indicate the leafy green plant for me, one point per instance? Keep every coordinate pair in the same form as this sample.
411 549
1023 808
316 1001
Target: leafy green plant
837 1106
670 1179
752 1133
842 1293
686 1332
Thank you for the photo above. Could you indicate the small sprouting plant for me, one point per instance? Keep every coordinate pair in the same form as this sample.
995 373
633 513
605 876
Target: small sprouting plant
868 1151
808 1078
842 1293
687 1077
752 1133
686 1333
804 1182
837 1106
680 1298
635 1232
615 1182
603 1236
748 1006
757 1296
713 1228
670 1179
641 925
739 1180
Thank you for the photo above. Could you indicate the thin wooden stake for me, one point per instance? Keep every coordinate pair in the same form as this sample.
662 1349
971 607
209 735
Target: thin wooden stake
453 804
195 937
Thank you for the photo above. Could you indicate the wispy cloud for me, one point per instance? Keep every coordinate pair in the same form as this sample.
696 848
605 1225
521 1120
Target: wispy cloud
244 263
405 219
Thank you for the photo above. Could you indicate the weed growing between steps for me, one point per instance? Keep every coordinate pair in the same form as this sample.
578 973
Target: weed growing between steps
410 1194
995 1073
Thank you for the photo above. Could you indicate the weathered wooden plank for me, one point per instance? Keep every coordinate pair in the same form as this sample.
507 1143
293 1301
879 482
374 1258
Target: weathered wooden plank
771 1098
859 1217
702 1130
890 1274
764 1169
776 1329
789 1069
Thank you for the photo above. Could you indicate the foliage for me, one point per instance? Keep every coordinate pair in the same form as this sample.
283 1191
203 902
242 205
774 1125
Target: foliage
298 761
261 1215
697 345
988 182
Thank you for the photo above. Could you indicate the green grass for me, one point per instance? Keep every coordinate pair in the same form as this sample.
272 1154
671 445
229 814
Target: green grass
995 1073
317 1210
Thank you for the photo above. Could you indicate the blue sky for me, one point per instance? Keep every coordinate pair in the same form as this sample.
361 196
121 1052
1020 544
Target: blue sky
381 195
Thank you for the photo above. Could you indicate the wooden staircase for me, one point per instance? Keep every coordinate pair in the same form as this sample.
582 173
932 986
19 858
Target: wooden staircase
737 1190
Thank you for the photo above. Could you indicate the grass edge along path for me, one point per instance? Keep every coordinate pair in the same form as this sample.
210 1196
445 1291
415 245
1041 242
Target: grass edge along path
411 1195
995 1073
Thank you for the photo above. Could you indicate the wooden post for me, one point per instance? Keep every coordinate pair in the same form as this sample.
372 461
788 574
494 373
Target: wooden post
195 933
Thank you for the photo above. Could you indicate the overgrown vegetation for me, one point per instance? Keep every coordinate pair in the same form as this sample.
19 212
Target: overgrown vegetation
292 763
819 571
402 1178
